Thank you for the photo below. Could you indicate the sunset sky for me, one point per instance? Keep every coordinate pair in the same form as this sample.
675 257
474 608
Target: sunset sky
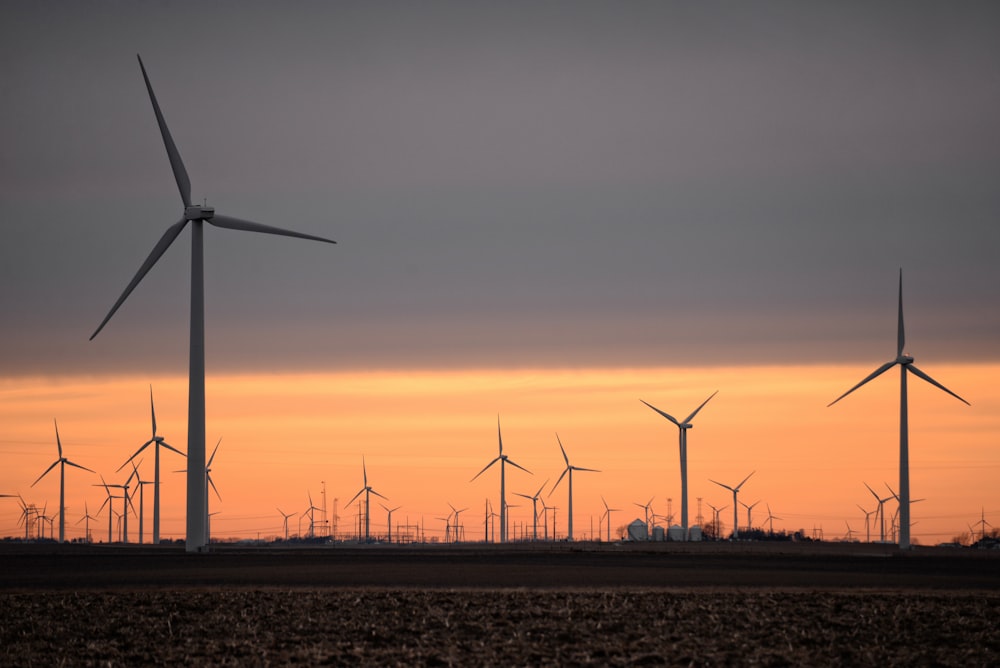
543 213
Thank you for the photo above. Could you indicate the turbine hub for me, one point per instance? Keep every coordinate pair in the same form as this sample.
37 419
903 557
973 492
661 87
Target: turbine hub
904 359
198 212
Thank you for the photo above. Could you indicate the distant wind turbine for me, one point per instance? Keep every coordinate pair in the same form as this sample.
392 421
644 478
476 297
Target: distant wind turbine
142 512
982 523
736 504
86 517
905 363
197 495
284 517
683 427
569 469
389 520
868 514
158 441
749 514
61 463
534 508
607 513
504 460
770 519
881 510
367 490
718 524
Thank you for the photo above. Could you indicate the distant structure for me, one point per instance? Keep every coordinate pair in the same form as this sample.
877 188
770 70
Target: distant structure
504 460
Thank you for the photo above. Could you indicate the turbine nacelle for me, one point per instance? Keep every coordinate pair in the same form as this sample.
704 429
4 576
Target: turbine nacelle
198 212
904 359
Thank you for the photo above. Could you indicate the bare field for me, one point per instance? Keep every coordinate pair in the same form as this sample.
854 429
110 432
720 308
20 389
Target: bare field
601 605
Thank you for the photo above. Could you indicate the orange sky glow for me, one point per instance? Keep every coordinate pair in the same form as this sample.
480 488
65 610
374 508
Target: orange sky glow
425 434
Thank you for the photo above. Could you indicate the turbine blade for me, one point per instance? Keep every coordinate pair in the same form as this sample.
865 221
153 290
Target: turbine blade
246 226
212 485
515 464
352 498
58 442
721 485
872 491
176 164
159 249
212 458
133 456
562 449
378 495
666 415
691 417
484 469
874 374
170 447
900 332
46 471
499 437
565 471
152 409
580 468
744 480
917 372
78 466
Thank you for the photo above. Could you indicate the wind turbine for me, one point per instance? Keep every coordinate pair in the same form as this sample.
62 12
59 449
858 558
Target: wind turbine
504 460
648 508
770 519
881 509
569 469
749 514
61 462
736 503
158 441
718 524
607 513
367 491
868 514
284 517
142 483
534 508
86 516
389 520
683 428
982 523
109 502
197 495
459 529
905 363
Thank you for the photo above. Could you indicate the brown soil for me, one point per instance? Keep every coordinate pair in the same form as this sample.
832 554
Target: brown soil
729 605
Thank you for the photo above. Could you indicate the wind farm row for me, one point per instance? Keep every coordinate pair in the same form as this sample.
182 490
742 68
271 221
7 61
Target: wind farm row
198 465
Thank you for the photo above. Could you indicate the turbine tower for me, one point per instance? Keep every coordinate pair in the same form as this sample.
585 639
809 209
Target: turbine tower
607 513
905 363
158 441
683 428
569 469
736 502
61 462
504 460
534 509
197 215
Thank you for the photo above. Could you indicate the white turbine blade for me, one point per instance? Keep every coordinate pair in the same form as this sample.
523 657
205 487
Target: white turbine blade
143 447
176 164
58 442
872 491
666 415
46 471
874 374
352 498
231 223
565 471
154 255
562 449
691 417
170 447
517 494
580 468
900 331
364 471
721 485
484 469
917 372
152 409
516 465
78 466
540 489
605 504
744 480
212 458
499 438
211 484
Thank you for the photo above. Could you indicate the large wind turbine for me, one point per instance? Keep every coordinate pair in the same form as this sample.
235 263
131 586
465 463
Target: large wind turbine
61 462
158 441
683 428
504 460
736 503
367 491
569 469
197 498
905 363
534 509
